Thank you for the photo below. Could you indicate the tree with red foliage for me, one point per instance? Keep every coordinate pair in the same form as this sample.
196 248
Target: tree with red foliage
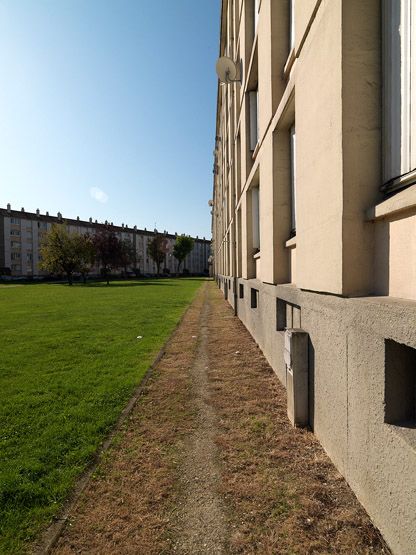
108 250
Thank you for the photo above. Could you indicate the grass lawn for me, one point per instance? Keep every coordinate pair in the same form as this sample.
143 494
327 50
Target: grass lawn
70 360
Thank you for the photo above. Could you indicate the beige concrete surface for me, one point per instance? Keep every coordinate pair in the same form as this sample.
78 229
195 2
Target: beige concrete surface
347 273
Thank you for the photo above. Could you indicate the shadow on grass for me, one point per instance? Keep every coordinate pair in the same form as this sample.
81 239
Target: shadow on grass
172 282
124 284
115 283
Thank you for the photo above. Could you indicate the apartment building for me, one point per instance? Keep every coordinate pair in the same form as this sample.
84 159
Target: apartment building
314 223
21 236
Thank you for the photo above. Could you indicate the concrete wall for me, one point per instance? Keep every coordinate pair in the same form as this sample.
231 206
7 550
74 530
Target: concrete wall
319 153
347 376
395 256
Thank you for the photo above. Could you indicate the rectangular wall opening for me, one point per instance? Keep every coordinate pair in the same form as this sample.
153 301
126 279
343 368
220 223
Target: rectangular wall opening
288 315
241 292
400 384
280 315
254 298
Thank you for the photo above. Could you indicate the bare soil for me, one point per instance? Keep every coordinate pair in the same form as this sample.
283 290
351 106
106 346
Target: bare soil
207 462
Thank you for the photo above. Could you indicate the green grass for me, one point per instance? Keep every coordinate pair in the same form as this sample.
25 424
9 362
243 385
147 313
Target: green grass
70 359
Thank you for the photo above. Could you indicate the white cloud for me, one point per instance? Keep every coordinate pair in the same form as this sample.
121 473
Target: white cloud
98 195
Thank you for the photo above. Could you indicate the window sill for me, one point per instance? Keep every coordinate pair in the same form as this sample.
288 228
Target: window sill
291 243
399 182
289 63
401 201
255 151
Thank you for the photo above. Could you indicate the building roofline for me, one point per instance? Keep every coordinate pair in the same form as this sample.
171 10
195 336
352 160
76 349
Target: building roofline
70 221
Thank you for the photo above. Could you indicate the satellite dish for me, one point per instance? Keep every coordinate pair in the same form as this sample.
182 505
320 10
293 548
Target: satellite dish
227 70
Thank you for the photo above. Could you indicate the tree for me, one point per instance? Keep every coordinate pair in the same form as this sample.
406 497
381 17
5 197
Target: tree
128 255
108 249
157 249
182 247
60 252
86 251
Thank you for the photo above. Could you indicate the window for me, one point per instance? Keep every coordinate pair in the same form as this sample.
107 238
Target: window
16 268
29 257
15 255
293 179
15 232
238 169
253 97
15 244
256 15
255 209
241 292
15 221
292 24
399 93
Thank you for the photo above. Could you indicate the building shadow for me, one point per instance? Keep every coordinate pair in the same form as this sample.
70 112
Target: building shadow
311 379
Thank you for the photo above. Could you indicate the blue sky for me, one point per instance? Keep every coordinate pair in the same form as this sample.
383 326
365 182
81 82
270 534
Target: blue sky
107 109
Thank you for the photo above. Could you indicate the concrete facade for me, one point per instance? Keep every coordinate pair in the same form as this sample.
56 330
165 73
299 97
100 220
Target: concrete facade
21 235
306 218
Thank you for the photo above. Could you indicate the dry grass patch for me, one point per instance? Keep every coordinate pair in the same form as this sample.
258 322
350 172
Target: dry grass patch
284 494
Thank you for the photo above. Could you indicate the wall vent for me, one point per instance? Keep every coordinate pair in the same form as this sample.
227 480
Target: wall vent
254 297
281 322
400 384
296 360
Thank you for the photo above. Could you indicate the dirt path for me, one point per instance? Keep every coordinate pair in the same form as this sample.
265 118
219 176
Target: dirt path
201 520
208 463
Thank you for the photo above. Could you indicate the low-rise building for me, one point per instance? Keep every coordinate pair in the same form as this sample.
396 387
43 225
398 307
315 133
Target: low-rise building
314 223
21 235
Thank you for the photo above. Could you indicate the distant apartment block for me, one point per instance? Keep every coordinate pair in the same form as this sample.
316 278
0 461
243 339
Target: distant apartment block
21 235
314 224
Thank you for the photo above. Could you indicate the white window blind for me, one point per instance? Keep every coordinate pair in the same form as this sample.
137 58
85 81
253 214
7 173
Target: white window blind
256 15
254 134
293 177
292 24
399 88
255 207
